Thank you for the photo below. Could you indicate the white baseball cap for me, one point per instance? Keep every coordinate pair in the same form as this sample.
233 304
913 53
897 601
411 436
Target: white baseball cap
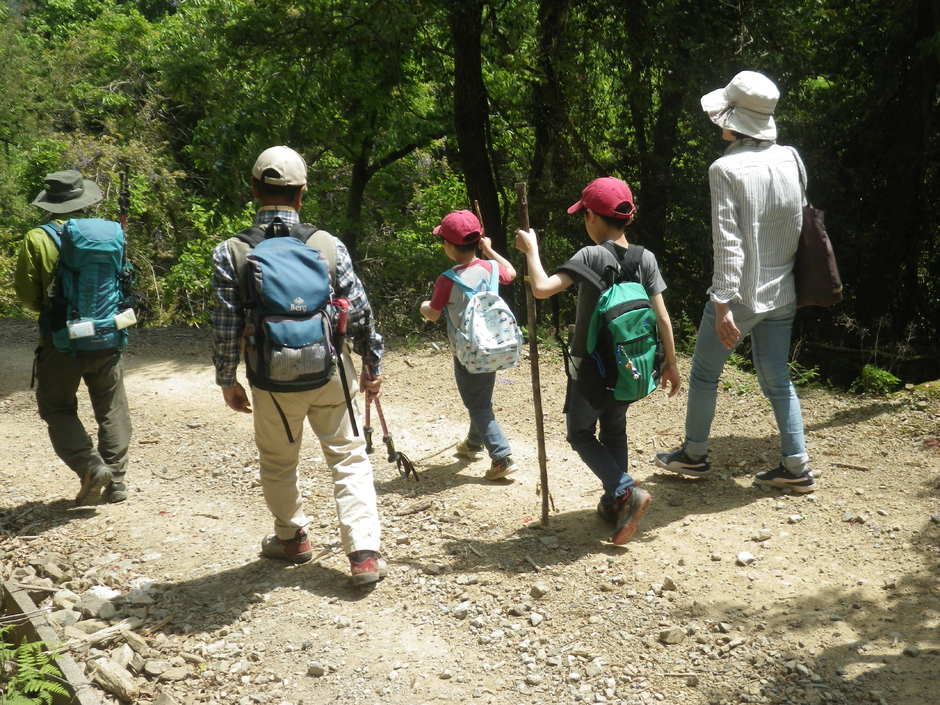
289 165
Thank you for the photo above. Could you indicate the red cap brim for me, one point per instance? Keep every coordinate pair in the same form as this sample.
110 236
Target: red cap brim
576 207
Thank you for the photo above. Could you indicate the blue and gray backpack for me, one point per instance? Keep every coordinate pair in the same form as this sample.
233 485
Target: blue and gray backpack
88 306
285 284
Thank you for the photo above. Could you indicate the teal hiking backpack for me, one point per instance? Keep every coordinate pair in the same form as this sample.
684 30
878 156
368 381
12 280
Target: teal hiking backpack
624 353
88 307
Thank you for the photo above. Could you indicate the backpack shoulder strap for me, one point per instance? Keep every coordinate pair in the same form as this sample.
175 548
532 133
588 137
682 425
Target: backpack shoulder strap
494 276
464 287
577 270
52 230
319 240
630 264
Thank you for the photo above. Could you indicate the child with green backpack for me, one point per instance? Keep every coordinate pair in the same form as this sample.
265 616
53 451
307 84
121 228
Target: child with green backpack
612 363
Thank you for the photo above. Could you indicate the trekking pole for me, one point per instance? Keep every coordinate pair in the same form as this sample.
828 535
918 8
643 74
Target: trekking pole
124 198
342 305
522 212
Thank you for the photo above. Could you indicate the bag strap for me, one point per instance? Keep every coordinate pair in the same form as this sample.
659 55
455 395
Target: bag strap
494 276
629 264
464 287
799 171
52 230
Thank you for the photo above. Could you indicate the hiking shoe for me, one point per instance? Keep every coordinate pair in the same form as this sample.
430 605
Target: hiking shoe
501 468
116 492
779 477
468 450
679 462
295 550
607 512
367 567
92 482
630 510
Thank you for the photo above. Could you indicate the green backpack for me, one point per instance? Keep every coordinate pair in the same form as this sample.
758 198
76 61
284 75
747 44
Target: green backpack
624 353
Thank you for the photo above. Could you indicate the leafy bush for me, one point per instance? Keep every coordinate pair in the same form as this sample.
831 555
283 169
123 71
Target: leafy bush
27 674
874 380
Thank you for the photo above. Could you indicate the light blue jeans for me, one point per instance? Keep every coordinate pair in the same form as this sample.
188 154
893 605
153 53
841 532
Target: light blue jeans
476 392
770 333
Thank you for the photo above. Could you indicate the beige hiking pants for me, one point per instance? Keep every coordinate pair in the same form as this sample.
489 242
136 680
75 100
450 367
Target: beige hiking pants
345 454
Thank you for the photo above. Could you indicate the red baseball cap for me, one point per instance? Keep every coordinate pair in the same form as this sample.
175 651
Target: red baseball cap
460 228
607 196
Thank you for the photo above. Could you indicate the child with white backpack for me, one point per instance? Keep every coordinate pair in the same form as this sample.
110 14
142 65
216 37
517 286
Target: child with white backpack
482 331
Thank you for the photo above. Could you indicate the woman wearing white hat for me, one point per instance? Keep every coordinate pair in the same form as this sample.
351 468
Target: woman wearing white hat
756 201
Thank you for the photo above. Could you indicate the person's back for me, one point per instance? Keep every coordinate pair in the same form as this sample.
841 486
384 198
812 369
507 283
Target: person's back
279 181
461 232
59 372
596 430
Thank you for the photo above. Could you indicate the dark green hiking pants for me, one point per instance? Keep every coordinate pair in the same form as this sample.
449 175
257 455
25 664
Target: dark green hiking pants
57 378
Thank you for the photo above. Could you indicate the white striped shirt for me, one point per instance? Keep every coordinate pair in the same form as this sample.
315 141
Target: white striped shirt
757 213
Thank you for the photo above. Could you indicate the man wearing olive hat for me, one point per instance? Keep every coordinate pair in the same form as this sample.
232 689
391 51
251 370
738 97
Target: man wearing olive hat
58 374
757 197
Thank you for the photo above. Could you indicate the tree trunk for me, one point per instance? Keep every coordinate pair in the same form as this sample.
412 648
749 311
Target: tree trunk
471 115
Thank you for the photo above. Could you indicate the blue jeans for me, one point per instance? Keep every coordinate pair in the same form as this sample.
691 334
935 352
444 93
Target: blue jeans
770 345
476 391
605 454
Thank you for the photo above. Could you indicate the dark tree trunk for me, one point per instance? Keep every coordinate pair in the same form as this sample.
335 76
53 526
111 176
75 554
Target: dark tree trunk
471 115
357 188
552 158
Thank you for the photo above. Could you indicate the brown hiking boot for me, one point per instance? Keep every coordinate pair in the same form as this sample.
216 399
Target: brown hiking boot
630 510
92 482
295 550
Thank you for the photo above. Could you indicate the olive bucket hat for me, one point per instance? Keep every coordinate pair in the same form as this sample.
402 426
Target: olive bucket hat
66 191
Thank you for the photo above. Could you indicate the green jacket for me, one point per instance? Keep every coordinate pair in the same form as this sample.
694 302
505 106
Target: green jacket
35 268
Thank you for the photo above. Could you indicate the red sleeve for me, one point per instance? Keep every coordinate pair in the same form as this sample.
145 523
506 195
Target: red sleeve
504 277
441 295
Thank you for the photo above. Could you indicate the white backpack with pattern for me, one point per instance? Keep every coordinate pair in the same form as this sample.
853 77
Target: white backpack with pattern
488 338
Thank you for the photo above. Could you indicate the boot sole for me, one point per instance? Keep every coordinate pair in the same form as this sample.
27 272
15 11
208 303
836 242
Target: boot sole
626 532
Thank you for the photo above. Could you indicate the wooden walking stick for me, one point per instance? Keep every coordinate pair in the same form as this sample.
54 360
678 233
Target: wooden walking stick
522 212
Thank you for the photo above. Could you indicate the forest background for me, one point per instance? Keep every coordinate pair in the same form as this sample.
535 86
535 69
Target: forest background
406 109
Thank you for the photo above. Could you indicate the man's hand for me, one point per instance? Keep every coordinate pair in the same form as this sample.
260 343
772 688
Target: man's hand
727 331
669 375
236 398
371 386
526 241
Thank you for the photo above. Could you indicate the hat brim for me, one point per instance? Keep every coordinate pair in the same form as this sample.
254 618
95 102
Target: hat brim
91 194
737 118
575 207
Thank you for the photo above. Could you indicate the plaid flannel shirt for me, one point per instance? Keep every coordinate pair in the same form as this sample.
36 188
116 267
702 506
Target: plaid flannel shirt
228 318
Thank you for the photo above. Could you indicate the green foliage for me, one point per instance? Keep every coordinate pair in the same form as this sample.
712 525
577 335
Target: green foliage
875 381
801 375
28 675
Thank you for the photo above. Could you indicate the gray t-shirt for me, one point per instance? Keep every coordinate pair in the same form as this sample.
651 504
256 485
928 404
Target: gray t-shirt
597 259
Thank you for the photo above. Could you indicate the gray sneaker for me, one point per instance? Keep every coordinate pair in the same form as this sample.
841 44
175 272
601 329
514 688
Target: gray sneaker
500 469
629 513
92 482
468 450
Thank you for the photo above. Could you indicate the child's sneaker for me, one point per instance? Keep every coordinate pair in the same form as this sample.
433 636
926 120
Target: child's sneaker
629 512
607 512
468 450
678 461
779 477
295 550
501 468
367 567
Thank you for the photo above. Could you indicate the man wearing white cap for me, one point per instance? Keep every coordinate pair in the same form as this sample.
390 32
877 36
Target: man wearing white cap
756 200
279 181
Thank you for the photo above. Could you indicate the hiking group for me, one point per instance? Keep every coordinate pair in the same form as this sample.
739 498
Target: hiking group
289 303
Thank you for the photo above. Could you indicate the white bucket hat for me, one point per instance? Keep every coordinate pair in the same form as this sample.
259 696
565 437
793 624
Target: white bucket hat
745 105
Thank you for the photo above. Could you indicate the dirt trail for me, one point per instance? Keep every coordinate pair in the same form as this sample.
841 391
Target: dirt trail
841 604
